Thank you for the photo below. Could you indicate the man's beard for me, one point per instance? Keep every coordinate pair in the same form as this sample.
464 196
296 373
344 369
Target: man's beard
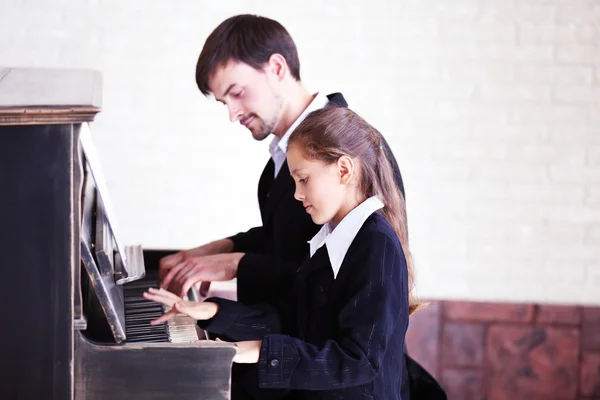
266 126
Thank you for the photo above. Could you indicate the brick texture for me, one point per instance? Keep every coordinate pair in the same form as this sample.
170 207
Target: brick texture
532 362
488 311
549 314
551 356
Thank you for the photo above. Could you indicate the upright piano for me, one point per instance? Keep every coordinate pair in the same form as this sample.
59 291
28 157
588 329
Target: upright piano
75 325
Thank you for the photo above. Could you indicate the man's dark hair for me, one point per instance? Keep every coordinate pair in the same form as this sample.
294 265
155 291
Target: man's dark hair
249 39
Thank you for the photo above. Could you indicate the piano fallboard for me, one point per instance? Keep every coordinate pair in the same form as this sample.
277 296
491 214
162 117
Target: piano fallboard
152 371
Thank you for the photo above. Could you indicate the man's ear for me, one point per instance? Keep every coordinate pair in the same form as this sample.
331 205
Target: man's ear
277 66
346 168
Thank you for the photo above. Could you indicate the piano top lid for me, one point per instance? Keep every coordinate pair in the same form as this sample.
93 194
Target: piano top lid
48 95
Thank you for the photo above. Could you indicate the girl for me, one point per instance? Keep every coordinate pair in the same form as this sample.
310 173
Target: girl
340 334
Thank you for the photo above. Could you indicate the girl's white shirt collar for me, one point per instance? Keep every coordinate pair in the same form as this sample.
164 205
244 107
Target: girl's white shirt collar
338 239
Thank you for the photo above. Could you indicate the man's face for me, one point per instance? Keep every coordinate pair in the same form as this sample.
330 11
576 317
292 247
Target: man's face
249 95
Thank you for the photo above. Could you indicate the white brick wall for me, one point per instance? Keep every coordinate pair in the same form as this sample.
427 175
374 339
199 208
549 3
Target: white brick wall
491 106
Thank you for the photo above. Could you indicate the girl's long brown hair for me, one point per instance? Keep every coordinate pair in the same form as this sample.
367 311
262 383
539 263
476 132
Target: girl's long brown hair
332 132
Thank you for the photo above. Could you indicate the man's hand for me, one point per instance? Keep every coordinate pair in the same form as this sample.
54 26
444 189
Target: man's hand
168 262
216 247
196 310
187 271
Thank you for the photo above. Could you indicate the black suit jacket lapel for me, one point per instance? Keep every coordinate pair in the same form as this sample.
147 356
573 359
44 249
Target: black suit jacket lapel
337 99
318 261
282 184
264 186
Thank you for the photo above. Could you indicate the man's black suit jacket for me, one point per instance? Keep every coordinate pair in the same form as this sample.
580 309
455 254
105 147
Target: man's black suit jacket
276 249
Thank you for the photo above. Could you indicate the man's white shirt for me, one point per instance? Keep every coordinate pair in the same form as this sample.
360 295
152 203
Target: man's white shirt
278 146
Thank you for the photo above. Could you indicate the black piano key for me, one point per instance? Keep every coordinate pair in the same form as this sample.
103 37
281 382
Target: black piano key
139 312
141 331
147 316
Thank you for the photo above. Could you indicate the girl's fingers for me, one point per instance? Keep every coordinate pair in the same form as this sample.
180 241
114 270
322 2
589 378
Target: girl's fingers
156 298
161 296
163 318
165 293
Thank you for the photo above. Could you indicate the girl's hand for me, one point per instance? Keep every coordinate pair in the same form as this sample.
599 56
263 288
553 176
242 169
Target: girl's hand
193 309
248 352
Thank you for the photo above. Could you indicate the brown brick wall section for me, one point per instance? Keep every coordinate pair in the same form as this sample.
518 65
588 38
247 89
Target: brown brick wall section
497 351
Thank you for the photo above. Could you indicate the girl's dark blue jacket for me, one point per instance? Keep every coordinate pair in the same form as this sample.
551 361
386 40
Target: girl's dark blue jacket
339 338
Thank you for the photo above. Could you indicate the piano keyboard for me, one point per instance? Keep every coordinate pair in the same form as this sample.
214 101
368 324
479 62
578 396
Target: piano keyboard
139 312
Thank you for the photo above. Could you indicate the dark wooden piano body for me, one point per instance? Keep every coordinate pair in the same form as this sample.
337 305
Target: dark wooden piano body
57 341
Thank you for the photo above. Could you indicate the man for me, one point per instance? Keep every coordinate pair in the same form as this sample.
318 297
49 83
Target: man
250 64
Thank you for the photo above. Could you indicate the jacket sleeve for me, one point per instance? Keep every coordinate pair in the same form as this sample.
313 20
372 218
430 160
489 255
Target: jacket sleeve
251 241
375 307
262 278
238 322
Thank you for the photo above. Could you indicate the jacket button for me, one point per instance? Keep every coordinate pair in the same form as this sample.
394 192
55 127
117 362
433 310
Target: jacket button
274 363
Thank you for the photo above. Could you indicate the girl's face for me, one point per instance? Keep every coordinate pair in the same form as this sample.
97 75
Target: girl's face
323 189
